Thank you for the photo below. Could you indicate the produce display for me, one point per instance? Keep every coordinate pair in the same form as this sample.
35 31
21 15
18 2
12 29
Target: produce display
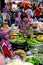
35 60
21 32
18 40
40 37
33 42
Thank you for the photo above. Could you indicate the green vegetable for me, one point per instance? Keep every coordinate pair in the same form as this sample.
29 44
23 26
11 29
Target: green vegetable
33 41
20 35
19 40
35 60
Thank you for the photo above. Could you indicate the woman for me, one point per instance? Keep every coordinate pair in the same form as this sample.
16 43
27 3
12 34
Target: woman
7 48
18 18
24 24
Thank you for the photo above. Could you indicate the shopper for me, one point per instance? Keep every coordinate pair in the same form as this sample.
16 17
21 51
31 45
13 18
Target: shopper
29 12
8 19
18 18
5 25
5 36
33 6
7 47
37 13
8 52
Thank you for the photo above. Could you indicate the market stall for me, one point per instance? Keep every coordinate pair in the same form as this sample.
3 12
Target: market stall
21 35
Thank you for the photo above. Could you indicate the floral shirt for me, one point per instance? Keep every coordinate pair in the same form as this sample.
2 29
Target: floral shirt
25 27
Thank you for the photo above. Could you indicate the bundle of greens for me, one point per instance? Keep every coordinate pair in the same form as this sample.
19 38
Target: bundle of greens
19 40
34 60
33 42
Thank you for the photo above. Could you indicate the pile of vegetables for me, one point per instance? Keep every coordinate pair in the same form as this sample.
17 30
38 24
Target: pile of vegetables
33 42
18 40
34 60
35 50
21 39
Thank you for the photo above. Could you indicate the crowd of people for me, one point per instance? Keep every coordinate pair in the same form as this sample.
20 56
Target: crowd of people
33 10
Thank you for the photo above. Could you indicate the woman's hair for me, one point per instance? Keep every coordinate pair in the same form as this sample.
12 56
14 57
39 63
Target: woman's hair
23 15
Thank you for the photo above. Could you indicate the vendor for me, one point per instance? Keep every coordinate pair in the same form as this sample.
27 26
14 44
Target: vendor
24 24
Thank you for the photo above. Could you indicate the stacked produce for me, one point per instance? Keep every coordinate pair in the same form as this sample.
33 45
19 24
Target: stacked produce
21 39
34 42
18 40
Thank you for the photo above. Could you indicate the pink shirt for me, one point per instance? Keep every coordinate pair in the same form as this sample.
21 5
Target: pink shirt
2 59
